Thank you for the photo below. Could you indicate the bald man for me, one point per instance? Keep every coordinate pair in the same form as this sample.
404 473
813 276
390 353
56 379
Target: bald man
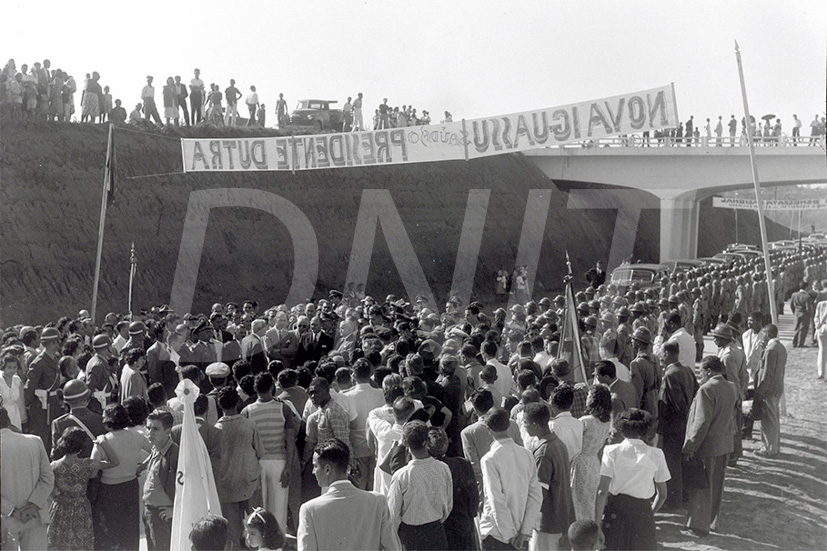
254 346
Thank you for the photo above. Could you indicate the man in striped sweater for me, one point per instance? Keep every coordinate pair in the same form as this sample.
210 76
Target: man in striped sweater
277 426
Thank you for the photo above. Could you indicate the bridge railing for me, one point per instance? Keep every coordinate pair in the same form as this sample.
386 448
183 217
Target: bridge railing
637 140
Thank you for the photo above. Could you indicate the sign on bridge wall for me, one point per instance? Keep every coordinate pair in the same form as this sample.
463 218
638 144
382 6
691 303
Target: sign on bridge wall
780 204
626 114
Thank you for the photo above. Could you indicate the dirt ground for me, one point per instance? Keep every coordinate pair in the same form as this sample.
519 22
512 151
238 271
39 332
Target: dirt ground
774 503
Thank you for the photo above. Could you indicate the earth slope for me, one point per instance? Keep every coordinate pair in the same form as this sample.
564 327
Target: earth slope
50 188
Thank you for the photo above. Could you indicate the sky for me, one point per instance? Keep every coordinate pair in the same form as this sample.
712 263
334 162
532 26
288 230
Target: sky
473 58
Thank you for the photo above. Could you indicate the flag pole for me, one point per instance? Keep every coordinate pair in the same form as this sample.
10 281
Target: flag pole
132 269
104 197
758 199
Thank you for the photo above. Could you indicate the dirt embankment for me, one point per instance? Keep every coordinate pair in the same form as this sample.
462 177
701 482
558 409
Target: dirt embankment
50 188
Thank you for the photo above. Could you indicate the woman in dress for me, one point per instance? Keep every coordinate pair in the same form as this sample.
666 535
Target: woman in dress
71 525
262 531
11 386
586 467
117 506
630 474
91 99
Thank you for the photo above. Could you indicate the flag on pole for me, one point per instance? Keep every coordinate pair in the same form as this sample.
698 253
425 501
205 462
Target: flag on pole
195 492
570 347
109 171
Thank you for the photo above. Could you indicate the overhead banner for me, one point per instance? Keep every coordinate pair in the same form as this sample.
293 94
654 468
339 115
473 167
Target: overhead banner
648 110
780 204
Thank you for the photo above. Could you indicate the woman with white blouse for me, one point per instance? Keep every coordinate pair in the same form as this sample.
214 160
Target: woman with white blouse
631 473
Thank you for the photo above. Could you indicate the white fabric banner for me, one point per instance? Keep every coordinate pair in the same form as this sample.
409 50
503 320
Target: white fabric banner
779 204
195 493
647 110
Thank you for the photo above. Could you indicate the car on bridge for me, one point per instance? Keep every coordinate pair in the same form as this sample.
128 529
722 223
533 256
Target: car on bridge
318 115
645 275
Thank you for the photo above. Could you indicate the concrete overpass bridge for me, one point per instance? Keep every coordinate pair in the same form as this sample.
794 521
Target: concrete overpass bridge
680 175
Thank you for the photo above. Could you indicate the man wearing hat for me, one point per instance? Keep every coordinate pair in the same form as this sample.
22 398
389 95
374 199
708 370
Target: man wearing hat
137 336
76 395
99 376
43 380
560 305
645 373
735 371
204 350
624 336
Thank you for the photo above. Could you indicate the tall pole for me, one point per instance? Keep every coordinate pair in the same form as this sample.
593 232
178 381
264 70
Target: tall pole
104 198
133 265
758 199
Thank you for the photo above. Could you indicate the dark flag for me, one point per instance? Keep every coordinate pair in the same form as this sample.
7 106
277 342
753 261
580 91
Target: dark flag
109 170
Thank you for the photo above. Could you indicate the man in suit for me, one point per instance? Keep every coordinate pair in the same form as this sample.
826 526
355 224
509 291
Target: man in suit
284 342
709 431
345 517
735 371
254 346
76 395
801 303
769 387
314 344
676 393
26 484
821 334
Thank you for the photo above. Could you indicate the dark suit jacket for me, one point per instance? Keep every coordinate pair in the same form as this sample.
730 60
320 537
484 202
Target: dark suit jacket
313 352
711 422
253 351
93 421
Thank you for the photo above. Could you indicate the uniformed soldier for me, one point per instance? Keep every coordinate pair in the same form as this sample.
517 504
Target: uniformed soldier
100 377
735 372
624 336
645 373
42 403
76 394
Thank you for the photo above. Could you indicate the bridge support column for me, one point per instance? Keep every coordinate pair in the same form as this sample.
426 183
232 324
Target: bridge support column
679 228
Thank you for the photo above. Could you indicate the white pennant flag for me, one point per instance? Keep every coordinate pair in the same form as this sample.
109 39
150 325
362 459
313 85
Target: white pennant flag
195 492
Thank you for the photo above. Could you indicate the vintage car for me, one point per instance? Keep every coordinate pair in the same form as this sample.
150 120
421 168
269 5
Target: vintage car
316 114
683 265
645 275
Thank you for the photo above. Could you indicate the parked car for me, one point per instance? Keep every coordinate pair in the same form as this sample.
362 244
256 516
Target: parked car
683 265
318 115
715 262
645 275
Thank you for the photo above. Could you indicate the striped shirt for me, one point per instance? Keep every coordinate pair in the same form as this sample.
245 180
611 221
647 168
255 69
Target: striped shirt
272 418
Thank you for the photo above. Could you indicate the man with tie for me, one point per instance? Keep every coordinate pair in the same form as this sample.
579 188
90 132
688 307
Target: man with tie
254 346
284 342
344 517
314 344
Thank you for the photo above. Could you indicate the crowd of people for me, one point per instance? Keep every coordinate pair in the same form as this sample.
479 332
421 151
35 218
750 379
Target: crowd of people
353 423
41 93
722 133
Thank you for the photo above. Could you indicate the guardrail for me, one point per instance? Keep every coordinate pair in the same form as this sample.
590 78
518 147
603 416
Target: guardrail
637 140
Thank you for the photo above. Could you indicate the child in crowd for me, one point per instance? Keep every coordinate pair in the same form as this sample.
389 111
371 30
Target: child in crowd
263 532
584 535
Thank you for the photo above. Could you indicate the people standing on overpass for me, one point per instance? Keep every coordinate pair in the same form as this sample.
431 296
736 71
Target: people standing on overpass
815 130
796 129
719 129
358 123
281 111
733 126
232 95
690 130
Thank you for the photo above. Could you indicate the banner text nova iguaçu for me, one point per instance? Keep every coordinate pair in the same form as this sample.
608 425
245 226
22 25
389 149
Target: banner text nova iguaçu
463 140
